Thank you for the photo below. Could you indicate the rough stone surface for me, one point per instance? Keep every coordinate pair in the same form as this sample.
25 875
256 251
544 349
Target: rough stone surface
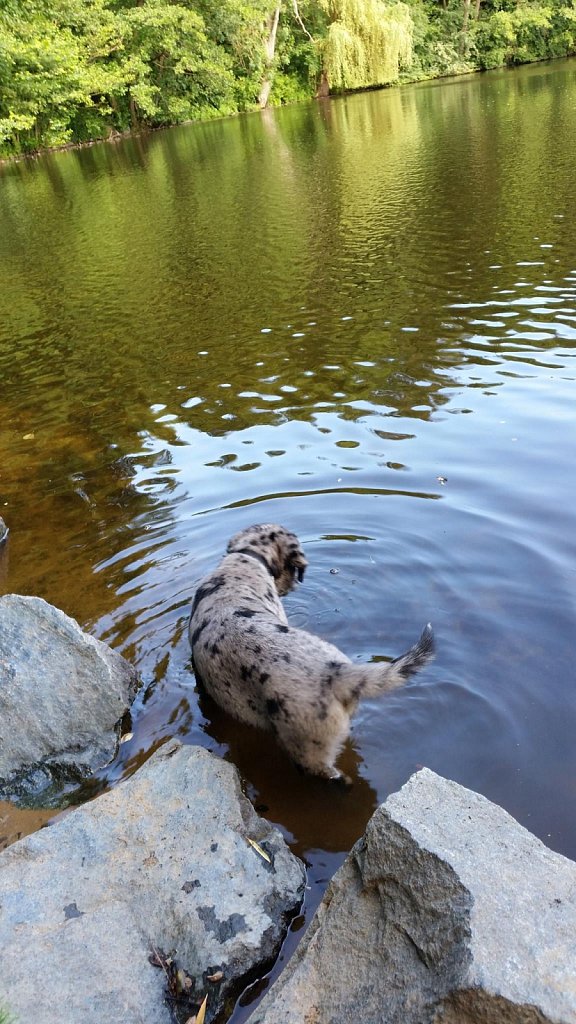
447 911
161 861
62 694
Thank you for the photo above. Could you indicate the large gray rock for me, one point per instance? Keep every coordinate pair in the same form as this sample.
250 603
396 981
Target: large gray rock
162 862
445 911
62 694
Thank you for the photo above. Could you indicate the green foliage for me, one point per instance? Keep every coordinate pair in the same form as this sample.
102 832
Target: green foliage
49 67
437 44
298 56
368 42
172 71
76 70
526 33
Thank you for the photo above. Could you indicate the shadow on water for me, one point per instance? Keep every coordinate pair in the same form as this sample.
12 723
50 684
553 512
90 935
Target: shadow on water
357 318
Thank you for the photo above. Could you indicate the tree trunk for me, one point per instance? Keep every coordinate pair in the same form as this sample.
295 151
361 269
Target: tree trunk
323 89
134 115
464 25
269 50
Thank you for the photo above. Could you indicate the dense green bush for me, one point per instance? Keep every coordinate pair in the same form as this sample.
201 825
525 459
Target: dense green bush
525 33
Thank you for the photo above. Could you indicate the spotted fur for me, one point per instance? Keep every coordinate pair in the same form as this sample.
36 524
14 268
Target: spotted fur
267 673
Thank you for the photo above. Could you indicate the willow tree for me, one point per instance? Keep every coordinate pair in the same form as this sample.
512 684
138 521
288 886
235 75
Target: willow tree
368 42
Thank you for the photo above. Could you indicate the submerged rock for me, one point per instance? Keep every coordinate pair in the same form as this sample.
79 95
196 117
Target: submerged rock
62 695
447 911
162 863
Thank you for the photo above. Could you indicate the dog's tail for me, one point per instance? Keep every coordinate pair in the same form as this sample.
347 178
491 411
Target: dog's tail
358 681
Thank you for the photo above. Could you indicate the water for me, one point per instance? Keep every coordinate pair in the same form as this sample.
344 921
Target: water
356 318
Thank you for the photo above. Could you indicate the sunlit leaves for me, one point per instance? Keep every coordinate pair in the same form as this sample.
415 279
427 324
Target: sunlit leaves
368 42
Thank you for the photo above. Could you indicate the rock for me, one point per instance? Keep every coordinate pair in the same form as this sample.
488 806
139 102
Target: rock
62 694
161 862
447 911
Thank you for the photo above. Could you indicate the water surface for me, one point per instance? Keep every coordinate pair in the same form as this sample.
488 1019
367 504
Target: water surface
356 318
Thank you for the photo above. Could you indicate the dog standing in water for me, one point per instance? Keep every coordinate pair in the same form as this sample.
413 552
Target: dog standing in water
271 675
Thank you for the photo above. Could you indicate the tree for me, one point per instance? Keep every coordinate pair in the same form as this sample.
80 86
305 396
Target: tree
172 71
368 42
269 50
50 67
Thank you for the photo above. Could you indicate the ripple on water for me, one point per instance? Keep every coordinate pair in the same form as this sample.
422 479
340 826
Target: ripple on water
358 319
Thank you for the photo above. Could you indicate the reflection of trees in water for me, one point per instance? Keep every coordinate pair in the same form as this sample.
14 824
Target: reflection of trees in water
142 275
72 504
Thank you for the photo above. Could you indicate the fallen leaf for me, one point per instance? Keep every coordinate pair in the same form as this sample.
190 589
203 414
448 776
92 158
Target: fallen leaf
127 736
217 976
28 437
202 1012
259 849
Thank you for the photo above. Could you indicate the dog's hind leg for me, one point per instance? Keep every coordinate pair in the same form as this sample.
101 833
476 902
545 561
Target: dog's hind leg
315 749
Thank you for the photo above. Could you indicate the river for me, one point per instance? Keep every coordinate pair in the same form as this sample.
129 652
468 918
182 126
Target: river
356 318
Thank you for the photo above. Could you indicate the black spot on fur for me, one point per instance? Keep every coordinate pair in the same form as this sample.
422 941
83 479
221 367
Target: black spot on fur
264 676
282 629
334 666
244 613
246 671
272 707
215 649
272 536
286 658
195 635
207 590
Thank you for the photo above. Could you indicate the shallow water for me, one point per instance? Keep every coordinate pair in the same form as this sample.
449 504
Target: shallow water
356 318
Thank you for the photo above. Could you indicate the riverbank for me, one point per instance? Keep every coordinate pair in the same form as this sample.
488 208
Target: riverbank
118 136
77 75
165 897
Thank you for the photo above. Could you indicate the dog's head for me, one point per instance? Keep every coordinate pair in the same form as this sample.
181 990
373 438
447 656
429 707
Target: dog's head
277 548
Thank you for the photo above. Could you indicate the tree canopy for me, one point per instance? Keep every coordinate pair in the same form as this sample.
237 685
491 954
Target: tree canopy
77 70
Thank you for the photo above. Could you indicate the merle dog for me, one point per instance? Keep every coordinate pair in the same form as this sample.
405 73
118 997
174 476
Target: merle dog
269 674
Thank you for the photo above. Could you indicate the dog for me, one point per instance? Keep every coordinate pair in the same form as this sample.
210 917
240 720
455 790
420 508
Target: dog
271 675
